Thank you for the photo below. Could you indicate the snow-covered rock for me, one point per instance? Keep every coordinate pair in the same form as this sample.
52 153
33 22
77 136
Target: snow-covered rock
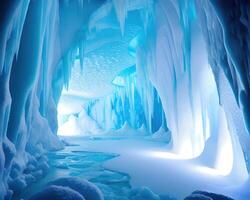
203 195
87 189
18 184
57 193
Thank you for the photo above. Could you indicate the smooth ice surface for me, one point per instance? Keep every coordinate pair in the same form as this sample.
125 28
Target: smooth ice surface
73 161
171 175
174 71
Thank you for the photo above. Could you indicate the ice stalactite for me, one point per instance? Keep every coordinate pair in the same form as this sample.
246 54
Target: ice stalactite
127 104
121 8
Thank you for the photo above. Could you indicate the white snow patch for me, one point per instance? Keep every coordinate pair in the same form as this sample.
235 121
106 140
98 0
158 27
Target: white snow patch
165 175
162 135
79 125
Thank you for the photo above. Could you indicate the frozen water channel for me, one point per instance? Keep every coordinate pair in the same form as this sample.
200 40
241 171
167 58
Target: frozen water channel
119 165
72 161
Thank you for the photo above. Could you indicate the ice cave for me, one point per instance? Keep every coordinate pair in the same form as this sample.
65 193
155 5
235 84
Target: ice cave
124 100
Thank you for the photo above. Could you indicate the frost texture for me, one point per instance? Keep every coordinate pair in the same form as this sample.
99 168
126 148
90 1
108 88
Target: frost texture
57 193
202 195
69 188
88 190
191 60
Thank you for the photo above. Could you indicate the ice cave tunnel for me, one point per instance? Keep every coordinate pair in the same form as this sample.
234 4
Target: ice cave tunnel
124 99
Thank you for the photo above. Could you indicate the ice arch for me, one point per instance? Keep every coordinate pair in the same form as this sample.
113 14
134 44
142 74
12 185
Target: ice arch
38 49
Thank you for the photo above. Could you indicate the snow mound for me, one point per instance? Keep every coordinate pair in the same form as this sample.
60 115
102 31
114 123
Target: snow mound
202 195
57 193
161 135
198 197
143 193
79 125
88 190
127 130
142 129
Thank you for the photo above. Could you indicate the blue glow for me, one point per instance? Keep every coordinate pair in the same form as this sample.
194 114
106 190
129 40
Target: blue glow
162 85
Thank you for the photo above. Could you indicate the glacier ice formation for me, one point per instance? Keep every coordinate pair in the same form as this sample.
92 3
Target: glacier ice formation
181 66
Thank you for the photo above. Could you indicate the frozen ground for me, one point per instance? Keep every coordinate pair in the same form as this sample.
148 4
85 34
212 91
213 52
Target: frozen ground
87 165
148 164
118 164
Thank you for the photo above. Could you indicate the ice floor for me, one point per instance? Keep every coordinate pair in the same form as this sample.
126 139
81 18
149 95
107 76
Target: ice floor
73 162
118 164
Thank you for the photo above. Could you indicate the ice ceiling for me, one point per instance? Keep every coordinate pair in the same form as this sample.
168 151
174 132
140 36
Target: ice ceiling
181 67
106 54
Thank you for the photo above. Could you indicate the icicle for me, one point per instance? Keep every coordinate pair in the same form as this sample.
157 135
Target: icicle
101 13
121 8
68 62
81 53
13 36
147 14
81 3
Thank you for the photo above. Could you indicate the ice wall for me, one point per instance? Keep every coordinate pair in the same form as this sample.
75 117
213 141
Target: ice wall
192 55
199 94
36 50
166 59
227 41
128 104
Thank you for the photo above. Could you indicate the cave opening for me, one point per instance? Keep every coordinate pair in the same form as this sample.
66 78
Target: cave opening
124 99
